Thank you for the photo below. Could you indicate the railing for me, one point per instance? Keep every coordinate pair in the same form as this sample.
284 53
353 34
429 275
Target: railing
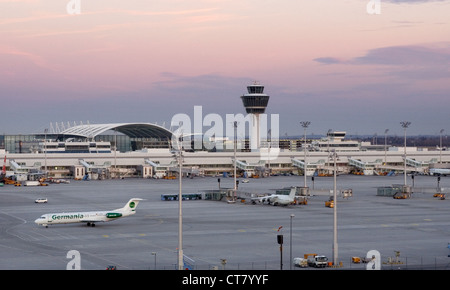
387 263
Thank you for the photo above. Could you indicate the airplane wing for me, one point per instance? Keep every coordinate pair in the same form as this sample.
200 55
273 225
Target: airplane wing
91 220
263 199
94 218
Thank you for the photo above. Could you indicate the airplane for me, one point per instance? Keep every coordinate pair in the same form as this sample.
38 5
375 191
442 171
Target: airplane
91 217
277 199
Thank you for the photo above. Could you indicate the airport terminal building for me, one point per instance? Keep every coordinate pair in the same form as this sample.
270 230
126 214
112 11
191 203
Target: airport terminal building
148 150
145 150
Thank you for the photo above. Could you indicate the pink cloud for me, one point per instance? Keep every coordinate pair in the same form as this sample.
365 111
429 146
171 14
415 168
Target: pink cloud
34 58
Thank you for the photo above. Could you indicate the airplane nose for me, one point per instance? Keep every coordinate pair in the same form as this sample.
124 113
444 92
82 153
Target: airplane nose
36 221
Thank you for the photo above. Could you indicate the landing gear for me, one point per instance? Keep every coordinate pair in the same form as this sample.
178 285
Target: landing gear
91 224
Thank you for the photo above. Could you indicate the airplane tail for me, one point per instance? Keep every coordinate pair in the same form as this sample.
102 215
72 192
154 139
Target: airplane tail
130 206
293 192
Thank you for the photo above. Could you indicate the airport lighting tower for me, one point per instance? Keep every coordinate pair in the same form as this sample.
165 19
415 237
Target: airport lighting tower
305 125
177 150
440 145
385 146
255 103
405 125
335 234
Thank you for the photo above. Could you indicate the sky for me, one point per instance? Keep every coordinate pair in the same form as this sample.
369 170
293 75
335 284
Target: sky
325 61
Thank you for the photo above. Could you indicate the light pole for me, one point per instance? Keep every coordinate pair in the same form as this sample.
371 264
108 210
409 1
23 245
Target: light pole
335 242
45 151
405 125
180 214
440 145
305 125
269 134
385 146
179 157
328 148
290 243
235 124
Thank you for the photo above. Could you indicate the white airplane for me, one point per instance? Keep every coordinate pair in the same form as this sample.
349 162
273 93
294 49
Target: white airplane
278 199
90 217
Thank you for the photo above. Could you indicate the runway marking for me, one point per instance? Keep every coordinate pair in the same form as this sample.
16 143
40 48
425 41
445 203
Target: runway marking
428 220
105 236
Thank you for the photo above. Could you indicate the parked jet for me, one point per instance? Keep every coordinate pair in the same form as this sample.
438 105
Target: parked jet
277 199
90 218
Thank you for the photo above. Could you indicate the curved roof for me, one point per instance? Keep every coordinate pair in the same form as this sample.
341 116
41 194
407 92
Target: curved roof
133 130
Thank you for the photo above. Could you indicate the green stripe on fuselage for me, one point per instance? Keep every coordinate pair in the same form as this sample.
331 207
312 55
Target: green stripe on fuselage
113 215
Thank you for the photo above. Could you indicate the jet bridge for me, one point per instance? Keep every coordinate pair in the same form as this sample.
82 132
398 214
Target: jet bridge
24 169
246 167
420 166
311 168
97 171
368 168
159 170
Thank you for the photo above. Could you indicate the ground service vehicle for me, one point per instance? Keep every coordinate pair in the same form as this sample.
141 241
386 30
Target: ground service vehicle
300 262
329 203
317 261
401 195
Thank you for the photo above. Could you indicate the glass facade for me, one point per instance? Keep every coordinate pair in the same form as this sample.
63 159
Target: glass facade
18 143
30 143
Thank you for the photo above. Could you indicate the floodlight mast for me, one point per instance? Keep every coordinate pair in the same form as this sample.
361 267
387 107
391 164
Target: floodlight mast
235 125
178 154
440 145
405 125
335 231
305 125
385 146
180 214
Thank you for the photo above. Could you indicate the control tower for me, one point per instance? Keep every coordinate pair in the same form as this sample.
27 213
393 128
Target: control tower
255 103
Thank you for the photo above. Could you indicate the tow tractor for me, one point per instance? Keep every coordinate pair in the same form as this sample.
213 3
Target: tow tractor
330 202
440 195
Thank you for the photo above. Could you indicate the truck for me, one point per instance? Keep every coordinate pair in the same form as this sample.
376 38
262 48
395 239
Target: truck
317 261
300 262
439 171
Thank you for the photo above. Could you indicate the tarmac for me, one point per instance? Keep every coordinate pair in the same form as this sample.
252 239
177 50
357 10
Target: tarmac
417 230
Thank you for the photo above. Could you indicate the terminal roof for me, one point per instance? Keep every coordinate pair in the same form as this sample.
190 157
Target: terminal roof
133 130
